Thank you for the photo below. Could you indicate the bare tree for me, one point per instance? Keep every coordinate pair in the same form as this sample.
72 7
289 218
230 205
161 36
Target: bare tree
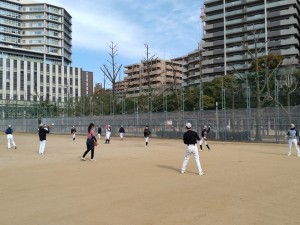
174 83
146 67
263 66
289 84
112 71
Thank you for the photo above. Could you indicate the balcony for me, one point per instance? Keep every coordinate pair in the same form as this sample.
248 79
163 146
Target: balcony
235 12
283 32
214 8
237 58
236 3
214 17
255 8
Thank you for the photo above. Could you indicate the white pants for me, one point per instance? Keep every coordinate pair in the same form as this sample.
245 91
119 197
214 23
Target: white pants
107 135
295 143
73 135
202 141
146 139
42 147
191 149
121 135
10 139
99 136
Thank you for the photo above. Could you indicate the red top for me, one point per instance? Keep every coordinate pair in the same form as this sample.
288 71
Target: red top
91 134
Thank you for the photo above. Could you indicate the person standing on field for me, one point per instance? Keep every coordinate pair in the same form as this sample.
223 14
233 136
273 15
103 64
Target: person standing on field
99 132
90 146
122 132
10 138
73 132
293 136
147 133
190 138
43 131
107 134
204 133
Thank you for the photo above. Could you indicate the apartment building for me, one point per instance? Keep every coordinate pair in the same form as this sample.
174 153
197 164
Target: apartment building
233 26
36 81
192 69
36 52
156 76
87 83
38 31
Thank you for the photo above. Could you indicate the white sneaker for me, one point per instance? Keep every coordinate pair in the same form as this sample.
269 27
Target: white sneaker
182 171
200 150
201 173
93 160
82 158
289 154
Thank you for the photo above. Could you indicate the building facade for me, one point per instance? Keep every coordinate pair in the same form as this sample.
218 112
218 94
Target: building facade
234 28
36 52
36 81
155 76
192 69
38 31
87 83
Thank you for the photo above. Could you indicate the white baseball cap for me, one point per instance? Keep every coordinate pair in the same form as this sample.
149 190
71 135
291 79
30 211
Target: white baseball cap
188 125
292 125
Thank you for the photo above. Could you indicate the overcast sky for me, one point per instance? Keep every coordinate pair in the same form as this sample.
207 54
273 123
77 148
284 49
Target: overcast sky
171 28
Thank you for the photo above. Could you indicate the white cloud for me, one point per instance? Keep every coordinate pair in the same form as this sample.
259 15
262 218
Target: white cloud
170 27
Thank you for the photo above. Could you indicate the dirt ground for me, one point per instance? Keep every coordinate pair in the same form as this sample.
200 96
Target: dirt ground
130 184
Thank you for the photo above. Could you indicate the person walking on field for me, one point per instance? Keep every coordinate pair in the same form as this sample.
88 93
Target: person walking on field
122 132
73 132
147 133
99 132
293 136
203 139
90 146
107 134
43 131
190 138
10 138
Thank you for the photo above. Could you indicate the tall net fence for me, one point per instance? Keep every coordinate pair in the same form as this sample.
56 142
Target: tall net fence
247 125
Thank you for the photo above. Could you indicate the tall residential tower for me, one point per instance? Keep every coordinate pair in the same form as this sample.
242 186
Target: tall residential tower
36 52
35 31
232 26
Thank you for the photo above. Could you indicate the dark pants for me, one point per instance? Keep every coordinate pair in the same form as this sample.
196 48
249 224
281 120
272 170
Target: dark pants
89 147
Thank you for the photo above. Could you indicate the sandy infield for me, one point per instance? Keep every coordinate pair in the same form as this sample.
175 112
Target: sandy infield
133 185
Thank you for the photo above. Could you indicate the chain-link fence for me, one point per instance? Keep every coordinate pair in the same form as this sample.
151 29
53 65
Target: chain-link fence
226 125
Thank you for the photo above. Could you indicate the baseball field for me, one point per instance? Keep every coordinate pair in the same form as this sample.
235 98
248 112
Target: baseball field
129 184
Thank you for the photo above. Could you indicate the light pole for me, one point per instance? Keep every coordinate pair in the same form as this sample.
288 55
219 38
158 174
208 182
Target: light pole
137 114
165 98
217 119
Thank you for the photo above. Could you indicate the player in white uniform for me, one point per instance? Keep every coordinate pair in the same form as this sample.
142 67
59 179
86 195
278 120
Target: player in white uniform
10 138
203 139
107 134
293 135
190 138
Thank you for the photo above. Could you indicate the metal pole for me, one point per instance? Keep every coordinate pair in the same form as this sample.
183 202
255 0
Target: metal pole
217 119
277 109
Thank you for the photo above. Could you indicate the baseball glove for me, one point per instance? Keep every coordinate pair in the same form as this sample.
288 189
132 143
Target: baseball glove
95 143
299 143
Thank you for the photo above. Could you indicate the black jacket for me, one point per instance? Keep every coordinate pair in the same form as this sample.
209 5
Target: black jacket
190 137
43 131
147 132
